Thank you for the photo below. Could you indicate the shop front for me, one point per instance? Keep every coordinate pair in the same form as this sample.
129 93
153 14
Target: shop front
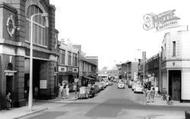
67 74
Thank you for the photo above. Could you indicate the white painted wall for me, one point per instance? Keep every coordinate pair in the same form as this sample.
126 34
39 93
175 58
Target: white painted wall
185 85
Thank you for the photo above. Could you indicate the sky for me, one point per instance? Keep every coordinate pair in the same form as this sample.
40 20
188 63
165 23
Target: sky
113 29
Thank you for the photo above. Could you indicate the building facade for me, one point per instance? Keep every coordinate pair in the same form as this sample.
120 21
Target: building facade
176 64
153 69
132 70
87 70
15 51
68 64
88 67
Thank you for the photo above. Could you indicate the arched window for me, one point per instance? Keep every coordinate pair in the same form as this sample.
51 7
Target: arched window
39 26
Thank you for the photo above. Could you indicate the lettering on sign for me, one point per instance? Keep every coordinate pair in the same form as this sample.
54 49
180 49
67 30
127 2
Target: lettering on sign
62 69
161 21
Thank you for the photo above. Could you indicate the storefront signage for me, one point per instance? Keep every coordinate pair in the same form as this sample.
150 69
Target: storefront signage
161 21
62 69
75 70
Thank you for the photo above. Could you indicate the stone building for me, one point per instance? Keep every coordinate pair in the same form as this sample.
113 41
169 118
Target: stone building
175 66
15 51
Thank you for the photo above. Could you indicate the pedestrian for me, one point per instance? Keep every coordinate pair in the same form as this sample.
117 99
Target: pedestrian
147 96
8 101
63 90
67 90
152 94
156 91
75 88
60 90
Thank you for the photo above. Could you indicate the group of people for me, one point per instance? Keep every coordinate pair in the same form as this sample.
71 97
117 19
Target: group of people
64 89
150 92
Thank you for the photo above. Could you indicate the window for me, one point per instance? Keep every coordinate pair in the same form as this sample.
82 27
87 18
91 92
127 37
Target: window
75 62
62 57
39 26
69 58
174 48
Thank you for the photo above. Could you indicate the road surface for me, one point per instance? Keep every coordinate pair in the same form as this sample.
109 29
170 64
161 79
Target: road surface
112 103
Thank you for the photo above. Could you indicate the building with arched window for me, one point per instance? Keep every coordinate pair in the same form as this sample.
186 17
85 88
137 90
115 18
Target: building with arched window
15 34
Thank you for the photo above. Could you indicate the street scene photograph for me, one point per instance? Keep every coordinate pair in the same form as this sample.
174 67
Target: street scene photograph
94 59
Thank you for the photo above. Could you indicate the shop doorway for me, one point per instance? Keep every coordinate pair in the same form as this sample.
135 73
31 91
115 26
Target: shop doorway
9 84
175 84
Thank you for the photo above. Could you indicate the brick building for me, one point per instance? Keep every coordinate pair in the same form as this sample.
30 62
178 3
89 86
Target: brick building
15 51
68 64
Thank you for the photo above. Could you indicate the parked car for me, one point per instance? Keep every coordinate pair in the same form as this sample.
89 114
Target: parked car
121 85
138 88
91 92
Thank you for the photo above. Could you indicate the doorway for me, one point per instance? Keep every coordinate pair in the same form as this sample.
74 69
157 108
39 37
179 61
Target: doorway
9 84
175 84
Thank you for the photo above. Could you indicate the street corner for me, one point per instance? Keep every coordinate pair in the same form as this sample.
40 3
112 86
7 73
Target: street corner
30 113
19 113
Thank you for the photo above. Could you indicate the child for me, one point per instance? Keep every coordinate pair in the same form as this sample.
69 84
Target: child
8 100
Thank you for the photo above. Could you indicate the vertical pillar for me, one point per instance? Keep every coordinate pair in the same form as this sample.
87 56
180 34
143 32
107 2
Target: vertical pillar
19 81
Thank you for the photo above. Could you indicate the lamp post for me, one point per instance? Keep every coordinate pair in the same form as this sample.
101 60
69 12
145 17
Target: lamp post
30 97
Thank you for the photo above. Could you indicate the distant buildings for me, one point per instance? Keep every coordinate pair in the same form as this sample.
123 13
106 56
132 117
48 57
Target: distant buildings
88 67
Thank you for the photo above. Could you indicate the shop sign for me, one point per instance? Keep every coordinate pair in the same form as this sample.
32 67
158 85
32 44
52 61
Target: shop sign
62 69
75 70
161 21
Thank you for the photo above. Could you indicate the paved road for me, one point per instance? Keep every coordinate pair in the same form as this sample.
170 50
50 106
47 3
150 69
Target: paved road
110 104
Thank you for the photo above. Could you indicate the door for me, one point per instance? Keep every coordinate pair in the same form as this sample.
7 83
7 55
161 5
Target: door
175 84
9 84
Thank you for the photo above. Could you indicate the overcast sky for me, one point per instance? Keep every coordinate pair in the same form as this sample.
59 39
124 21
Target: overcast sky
112 29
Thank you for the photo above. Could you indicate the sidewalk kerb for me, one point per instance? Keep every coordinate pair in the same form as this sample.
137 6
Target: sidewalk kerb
31 113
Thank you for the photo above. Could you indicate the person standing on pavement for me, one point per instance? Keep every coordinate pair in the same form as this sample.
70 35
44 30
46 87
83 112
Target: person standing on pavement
152 94
8 101
60 90
76 87
67 90
64 88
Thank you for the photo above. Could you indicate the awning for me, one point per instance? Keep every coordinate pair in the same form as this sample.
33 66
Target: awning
89 78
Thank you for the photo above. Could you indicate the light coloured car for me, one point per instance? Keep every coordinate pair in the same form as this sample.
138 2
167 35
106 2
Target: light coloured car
138 89
121 85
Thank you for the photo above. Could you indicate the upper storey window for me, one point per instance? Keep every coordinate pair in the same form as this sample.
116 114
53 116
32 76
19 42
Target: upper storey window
39 26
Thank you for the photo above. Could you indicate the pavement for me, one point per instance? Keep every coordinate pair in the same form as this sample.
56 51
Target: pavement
158 101
43 105
38 106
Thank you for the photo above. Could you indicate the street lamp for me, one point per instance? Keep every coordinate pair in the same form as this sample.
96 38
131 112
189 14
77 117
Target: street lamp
30 97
